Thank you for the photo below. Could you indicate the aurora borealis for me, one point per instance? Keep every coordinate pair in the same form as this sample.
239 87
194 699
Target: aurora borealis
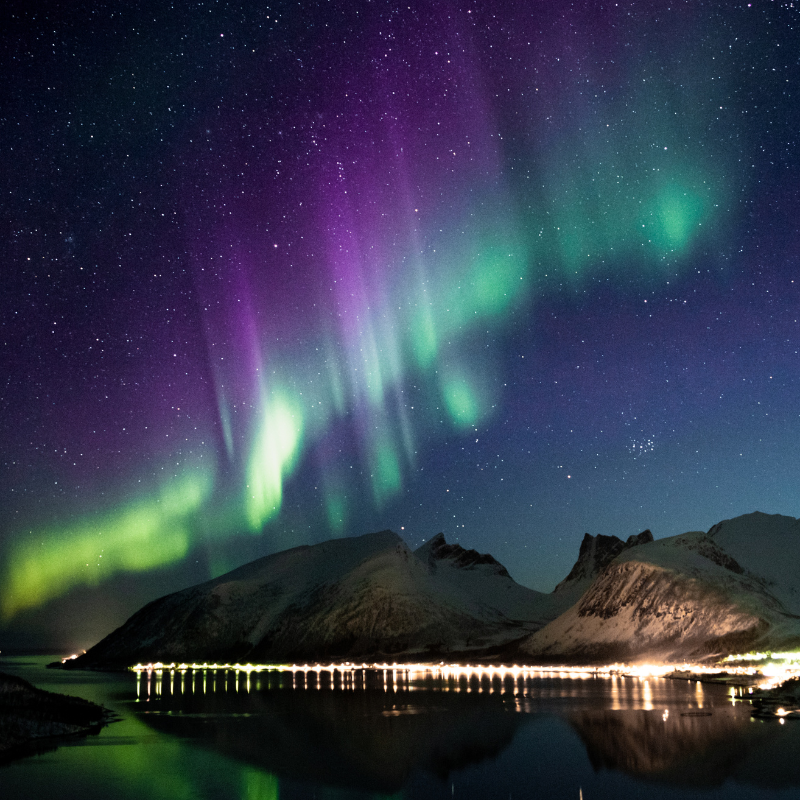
277 273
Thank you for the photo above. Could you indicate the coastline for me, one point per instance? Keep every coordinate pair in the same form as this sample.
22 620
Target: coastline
33 719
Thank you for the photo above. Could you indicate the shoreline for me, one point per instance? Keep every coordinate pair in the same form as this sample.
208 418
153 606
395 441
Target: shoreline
33 720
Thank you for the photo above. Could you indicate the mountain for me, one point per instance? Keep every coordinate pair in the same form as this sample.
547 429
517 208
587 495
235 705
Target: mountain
731 589
595 553
367 596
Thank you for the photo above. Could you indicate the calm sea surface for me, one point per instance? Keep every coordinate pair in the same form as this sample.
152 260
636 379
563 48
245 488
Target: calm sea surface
377 734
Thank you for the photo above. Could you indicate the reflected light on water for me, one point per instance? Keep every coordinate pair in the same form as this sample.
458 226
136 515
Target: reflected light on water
521 682
647 696
630 687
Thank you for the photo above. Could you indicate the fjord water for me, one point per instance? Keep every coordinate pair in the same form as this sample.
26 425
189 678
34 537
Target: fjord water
366 734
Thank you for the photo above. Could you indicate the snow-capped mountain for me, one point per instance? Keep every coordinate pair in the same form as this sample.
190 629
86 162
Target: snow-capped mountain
356 597
732 589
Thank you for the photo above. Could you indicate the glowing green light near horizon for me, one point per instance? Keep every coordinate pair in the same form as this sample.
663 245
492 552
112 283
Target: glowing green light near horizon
273 457
142 535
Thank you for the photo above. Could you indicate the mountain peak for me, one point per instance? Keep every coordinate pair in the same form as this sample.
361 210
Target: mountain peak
438 550
639 538
694 595
597 552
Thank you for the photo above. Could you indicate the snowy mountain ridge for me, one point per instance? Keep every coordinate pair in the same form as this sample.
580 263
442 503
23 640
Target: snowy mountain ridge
696 595
366 595
701 594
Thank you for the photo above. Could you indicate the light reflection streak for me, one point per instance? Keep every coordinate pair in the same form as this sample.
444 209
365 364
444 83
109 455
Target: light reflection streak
480 679
647 697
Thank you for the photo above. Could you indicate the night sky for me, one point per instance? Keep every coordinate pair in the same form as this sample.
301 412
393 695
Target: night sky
272 274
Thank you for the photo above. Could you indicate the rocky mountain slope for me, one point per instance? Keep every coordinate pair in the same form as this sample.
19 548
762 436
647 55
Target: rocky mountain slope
357 597
732 589
596 552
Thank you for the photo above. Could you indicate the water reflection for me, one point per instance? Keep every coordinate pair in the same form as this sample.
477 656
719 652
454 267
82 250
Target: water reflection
664 743
530 689
372 728
692 748
299 734
327 731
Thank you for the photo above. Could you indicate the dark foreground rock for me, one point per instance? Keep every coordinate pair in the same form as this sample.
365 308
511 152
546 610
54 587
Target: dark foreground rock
28 714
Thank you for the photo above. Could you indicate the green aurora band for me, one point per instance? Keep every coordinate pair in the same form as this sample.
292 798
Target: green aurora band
142 535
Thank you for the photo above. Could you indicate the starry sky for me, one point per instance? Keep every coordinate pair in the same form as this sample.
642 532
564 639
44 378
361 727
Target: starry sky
276 273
